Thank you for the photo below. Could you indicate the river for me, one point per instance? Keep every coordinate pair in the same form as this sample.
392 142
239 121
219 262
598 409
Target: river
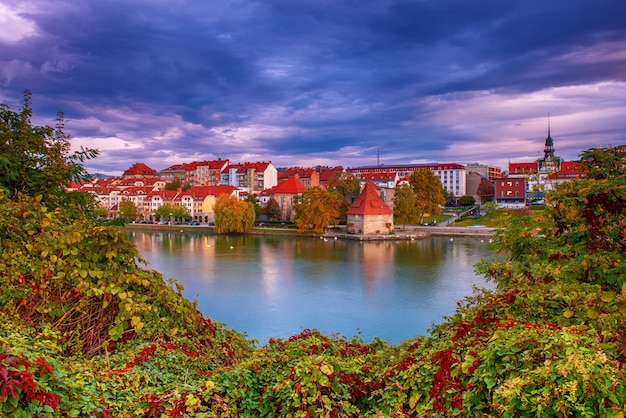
276 286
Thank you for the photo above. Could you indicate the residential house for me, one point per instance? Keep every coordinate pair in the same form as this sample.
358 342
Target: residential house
510 192
176 173
309 177
155 199
136 194
327 173
569 170
197 173
284 194
139 171
207 173
200 200
250 177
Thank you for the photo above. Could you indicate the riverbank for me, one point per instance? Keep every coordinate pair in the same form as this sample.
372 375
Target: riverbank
411 232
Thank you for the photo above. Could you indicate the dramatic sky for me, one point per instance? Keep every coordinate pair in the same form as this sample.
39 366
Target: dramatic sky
330 82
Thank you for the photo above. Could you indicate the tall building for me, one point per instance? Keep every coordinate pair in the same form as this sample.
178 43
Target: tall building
451 175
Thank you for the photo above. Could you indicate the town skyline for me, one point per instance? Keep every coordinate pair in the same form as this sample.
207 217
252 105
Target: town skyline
311 82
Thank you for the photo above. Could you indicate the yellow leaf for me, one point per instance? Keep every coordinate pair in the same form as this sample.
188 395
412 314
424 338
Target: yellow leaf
138 327
607 297
624 290
415 396
568 313
592 313
327 369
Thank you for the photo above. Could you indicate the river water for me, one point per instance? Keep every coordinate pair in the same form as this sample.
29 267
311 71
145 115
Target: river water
276 286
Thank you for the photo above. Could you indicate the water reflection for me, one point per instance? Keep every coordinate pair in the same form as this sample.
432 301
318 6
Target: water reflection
275 287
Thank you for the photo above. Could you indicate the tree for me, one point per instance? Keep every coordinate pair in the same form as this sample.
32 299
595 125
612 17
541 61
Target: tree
174 185
36 160
346 185
579 236
169 211
316 209
128 210
257 208
404 206
429 194
272 209
467 200
233 215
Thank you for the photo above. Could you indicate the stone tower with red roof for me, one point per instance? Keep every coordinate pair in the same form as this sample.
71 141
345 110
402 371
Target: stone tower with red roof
368 214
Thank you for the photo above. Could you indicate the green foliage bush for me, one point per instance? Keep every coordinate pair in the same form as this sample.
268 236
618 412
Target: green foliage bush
84 331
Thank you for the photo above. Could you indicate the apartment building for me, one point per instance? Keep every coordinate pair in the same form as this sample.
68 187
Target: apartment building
451 175
197 173
309 177
250 177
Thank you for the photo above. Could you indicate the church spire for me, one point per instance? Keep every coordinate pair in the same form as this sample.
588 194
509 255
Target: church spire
548 151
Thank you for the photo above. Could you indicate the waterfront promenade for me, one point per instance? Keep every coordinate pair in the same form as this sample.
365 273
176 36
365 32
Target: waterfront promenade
411 232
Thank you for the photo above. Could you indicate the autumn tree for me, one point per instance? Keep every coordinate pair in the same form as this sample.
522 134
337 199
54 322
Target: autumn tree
128 210
272 209
428 191
579 236
404 206
346 185
316 208
36 160
233 215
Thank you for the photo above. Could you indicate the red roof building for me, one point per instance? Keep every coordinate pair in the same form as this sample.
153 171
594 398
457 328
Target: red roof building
328 173
569 170
369 214
200 200
284 194
522 168
309 177
139 170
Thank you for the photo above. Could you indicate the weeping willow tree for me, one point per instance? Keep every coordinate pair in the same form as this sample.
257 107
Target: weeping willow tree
233 215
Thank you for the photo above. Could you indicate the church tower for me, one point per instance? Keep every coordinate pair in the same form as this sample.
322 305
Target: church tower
549 163
548 151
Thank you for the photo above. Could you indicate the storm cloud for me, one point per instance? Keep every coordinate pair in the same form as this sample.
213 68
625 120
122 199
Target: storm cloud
308 82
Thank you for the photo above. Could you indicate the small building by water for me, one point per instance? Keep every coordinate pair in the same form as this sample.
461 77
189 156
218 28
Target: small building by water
369 214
